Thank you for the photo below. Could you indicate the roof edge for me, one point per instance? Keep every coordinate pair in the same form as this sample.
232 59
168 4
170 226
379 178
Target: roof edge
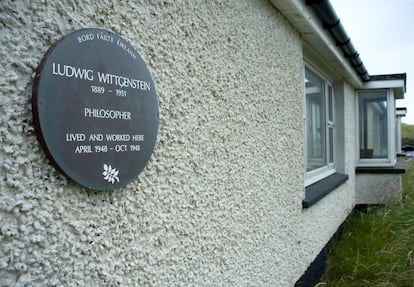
313 35
397 82
332 23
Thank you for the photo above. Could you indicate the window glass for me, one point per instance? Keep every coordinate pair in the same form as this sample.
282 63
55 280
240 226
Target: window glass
331 144
373 125
331 125
330 105
315 121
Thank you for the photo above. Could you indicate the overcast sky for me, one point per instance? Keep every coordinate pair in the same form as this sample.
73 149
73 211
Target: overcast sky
382 32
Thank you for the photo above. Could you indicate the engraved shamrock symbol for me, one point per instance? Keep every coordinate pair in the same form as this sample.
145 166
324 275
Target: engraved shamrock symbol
110 174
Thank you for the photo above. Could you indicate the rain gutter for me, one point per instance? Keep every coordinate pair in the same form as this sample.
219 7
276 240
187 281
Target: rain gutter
331 22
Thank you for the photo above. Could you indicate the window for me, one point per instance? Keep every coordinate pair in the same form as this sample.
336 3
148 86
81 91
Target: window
374 122
320 127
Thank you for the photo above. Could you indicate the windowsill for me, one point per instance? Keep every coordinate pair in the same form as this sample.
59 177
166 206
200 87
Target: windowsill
318 190
380 170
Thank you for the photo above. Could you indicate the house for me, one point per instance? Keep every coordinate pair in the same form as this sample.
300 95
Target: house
270 131
400 113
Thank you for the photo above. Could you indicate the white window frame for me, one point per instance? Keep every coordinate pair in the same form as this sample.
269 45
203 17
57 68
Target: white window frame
390 160
330 168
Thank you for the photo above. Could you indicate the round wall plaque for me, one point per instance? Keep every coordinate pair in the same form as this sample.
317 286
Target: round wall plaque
95 109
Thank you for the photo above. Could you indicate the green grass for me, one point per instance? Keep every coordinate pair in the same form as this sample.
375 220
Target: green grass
377 247
407 134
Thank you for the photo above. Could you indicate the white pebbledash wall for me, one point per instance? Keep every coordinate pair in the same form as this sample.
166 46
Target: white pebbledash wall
378 189
219 203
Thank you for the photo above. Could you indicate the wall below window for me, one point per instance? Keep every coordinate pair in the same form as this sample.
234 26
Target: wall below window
378 188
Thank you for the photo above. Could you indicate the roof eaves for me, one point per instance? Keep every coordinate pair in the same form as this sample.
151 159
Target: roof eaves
332 23
317 39
397 82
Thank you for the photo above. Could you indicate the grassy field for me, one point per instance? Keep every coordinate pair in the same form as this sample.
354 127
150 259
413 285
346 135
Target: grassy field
377 247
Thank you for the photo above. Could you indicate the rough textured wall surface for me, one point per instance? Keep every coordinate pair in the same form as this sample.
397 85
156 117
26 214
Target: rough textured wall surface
219 203
378 188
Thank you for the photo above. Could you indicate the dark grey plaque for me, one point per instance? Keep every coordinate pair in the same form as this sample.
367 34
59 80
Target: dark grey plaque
95 109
